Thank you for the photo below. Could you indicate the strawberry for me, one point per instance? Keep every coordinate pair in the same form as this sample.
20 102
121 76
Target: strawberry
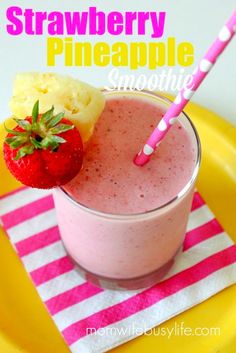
43 151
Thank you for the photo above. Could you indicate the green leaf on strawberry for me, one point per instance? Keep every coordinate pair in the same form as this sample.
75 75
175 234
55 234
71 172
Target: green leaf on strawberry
14 132
24 124
41 134
23 151
35 112
55 120
60 128
48 115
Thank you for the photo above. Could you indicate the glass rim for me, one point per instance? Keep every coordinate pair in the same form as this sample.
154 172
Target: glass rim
181 193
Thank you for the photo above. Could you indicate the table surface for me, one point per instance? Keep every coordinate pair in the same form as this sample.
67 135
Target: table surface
25 325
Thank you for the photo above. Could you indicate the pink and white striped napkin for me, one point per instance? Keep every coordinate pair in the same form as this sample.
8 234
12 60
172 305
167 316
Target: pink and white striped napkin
80 310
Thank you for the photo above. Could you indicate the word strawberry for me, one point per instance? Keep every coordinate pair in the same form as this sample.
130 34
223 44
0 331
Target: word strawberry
43 151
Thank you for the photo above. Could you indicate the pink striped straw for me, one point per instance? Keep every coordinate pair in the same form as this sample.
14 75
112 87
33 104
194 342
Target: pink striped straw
182 99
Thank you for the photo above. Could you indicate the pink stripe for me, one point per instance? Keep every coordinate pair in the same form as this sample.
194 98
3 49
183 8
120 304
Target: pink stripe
21 188
71 297
202 233
51 270
197 201
38 241
28 211
151 296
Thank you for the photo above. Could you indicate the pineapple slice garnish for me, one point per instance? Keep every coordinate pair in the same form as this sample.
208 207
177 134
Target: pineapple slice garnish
82 103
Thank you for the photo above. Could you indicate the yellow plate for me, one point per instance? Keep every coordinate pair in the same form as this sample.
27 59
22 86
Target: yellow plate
25 325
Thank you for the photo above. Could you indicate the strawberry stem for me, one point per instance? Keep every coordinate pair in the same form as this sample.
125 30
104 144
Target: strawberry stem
41 134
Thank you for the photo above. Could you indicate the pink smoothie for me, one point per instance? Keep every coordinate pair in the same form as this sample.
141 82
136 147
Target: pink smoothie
110 182
135 245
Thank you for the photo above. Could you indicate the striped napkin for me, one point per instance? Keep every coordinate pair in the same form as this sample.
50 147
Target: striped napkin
95 320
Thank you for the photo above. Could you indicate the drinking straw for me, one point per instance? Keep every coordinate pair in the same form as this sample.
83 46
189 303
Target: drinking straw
185 94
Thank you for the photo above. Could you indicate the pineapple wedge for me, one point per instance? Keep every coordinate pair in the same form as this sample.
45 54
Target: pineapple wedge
82 103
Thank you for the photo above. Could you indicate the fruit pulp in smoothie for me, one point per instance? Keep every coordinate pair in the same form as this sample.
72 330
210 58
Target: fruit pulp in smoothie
117 247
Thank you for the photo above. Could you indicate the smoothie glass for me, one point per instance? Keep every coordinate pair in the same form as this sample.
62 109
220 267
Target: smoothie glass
127 251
